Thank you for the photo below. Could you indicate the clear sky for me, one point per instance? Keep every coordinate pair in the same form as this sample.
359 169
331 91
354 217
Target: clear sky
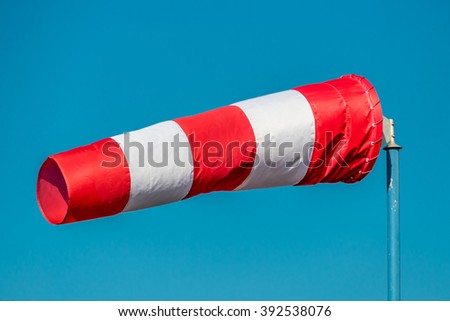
74 72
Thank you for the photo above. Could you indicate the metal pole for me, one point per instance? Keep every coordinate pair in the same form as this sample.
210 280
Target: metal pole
393 215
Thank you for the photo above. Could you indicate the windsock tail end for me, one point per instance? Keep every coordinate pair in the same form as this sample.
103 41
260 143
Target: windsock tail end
84 183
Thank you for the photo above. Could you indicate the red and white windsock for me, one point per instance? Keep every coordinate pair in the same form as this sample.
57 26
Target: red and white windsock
322 133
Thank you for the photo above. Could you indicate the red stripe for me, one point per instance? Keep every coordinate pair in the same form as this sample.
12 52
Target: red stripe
84 183
348 124
223 148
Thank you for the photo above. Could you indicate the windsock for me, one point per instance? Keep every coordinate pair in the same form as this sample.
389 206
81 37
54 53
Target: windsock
321 133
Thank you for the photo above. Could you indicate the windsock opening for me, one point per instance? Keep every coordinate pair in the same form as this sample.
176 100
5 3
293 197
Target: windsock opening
52 194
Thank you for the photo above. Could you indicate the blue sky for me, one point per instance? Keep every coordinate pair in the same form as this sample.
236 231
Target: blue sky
75 72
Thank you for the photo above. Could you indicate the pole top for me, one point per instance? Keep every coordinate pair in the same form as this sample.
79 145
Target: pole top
388 134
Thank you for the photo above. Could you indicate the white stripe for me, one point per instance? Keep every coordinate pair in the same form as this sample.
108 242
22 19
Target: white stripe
288 119
153 184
